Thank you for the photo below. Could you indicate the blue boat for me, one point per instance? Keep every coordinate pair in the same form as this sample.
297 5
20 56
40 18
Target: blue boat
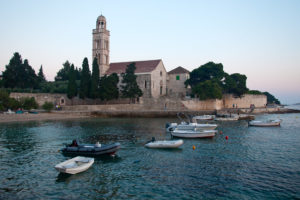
90 149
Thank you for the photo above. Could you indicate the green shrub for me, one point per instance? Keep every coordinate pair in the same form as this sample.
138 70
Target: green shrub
28 103
48 106
13 104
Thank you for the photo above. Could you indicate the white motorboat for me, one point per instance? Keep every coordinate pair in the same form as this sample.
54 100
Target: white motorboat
190 126
168 144
203 117
275 122
193 133
75 165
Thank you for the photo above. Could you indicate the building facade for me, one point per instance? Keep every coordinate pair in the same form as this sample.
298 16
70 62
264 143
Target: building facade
151 76
175 84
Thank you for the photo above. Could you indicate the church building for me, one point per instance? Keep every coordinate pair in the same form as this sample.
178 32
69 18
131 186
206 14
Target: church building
151 74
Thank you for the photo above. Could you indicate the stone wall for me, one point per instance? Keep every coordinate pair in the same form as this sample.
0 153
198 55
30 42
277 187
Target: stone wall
41 98
161 103
197 105
245 101
63 100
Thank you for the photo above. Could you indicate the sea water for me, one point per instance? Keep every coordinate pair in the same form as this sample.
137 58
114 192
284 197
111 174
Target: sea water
254 163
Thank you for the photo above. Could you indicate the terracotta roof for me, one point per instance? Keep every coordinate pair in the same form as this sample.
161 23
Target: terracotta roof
179 70
141 66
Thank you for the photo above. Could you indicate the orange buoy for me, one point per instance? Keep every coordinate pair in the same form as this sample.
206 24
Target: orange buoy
226 137
221 132
194 147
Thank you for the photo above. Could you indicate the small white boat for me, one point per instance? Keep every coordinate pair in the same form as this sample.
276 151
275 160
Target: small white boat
167 144
9 112
193 133
275 122
190 126
75 165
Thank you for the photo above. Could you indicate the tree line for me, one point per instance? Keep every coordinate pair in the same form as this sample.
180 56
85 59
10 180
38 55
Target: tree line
19 76
210 81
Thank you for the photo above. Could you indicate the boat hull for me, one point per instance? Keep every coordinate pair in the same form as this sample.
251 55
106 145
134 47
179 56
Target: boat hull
264 124
165 144
91 150
194 134
75 165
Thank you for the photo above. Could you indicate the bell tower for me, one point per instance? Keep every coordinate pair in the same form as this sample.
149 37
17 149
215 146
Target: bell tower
101 45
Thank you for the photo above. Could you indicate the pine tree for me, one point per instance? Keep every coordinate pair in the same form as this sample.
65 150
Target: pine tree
95 80
29 79
62 74
85 81
109 87
12 71
72 86
130 88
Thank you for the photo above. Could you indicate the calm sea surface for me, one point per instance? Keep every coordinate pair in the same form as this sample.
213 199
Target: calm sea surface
254 163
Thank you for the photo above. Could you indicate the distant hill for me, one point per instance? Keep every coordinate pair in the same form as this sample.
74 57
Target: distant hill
296 104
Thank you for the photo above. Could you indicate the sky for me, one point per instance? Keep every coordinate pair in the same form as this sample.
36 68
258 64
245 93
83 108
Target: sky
258 38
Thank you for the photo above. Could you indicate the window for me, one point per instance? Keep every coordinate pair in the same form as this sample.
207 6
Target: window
161 89
160 73
177 77
145 84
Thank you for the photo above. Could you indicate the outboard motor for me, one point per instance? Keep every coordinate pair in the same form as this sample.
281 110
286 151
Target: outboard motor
168 125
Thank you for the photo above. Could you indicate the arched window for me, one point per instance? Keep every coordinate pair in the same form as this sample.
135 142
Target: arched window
101 24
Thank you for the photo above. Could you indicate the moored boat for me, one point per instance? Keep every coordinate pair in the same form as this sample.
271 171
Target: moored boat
190 126
193 133
203 117
75 165
265 123
90 149
167 144
227 118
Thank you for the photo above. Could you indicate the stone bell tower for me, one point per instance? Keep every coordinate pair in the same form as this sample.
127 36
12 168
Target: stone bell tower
101 44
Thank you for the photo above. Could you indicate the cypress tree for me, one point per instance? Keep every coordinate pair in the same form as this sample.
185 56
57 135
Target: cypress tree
41 76
72 86
95 79
85 81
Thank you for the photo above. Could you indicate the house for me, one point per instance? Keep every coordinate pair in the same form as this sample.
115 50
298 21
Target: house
175 82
